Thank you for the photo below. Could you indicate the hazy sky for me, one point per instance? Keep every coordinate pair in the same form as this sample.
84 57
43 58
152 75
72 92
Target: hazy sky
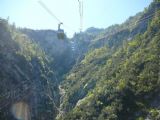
97 13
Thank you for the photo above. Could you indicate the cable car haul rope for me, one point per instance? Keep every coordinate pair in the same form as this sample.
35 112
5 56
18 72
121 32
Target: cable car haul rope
81 14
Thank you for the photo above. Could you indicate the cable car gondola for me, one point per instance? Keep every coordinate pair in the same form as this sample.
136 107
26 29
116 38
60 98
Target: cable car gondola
60 32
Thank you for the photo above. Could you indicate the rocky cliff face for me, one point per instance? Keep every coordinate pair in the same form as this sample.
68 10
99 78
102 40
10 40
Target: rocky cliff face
26 78
59 52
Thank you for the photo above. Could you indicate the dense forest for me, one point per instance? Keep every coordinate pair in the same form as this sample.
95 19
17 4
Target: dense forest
99 74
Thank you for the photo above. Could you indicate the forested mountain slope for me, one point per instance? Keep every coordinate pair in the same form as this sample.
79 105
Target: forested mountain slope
118 81
25 77
113 36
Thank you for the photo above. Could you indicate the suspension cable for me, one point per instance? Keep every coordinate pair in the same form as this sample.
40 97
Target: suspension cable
81 14
49 11
54 16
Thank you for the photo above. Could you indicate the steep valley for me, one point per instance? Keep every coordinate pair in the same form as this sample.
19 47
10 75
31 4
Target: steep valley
99 74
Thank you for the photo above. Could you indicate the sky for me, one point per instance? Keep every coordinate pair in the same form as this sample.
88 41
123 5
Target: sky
97 13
